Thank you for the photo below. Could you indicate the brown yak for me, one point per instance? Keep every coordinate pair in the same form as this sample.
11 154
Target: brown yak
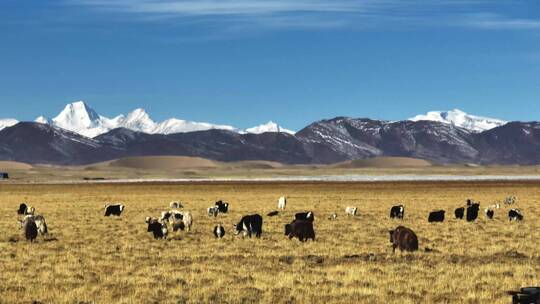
403 238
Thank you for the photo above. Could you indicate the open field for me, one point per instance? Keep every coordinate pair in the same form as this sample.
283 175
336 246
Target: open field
92 259
181 167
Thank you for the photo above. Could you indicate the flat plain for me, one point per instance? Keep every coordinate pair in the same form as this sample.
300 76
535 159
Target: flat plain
88 258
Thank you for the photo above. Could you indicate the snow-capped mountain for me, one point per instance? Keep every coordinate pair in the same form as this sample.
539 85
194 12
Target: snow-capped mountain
42 120
80 118
461 119
8 122
268 127
325 141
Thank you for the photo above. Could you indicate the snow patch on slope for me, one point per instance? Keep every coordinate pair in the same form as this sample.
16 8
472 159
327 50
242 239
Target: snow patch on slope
268 127
461 119
8 122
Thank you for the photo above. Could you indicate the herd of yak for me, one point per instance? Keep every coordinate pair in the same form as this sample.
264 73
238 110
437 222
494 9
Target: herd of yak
301 227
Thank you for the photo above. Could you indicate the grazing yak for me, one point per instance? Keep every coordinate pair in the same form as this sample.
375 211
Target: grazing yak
250 224
30 210
510 200
187 219
114 209
351 211
213 211
223 207
39 222
494 206
272 213
515 215
41 225
282 202
403 238
219 232
526 295
489 213
436 216
178 220
305 216
157 227
303 230
397 212
472 212
176 205
22 209
459 213
30 228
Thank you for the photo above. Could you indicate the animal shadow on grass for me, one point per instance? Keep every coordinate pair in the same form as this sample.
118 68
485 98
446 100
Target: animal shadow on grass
16 239
50 239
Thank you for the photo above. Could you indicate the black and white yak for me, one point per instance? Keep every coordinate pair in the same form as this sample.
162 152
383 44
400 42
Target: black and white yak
397 212
114 209
39 221
223 207
178 220
219 232
305 216
157 227
250 224
515 215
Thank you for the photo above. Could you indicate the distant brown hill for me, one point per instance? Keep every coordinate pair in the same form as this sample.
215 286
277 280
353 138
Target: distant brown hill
12 165
384 162
161 162
181 162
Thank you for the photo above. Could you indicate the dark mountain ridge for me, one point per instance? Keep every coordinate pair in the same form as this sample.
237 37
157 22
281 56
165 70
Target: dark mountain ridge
322 142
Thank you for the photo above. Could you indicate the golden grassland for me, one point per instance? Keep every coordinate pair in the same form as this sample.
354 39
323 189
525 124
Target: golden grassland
88 258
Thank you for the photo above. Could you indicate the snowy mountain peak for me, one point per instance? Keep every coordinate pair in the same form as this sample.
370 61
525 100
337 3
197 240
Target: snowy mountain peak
80 118
8 122
139 120
268 127
76 115
138 113
461 119
42 120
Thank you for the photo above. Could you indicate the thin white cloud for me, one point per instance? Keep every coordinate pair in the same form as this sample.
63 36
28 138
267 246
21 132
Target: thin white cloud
498 22
282 14
226 7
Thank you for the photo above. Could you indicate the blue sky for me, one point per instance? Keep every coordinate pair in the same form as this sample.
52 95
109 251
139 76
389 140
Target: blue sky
244 62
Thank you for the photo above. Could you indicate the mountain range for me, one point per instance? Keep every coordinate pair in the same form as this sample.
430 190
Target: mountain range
80 118
79 135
